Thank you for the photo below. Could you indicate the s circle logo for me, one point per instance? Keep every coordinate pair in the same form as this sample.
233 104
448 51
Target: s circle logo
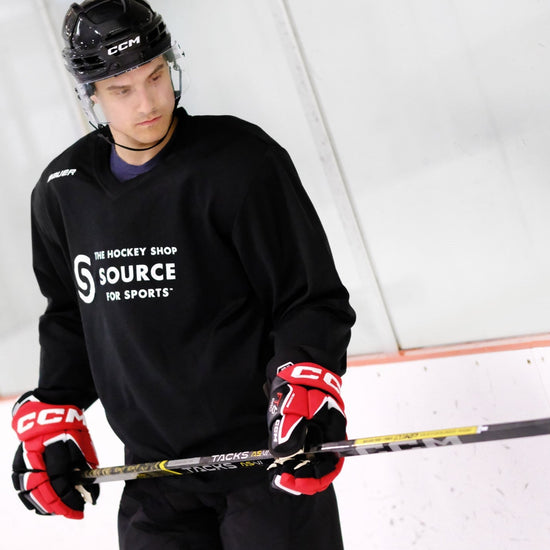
84 279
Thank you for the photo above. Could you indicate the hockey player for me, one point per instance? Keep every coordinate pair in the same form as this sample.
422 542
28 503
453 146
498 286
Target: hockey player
191 289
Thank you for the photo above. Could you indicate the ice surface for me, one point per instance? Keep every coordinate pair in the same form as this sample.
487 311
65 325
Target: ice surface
487 495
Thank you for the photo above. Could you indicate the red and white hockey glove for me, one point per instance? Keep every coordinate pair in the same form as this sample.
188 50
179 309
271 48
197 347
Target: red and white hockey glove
305 409
54 443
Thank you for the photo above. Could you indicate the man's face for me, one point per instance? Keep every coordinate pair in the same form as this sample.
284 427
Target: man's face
138 104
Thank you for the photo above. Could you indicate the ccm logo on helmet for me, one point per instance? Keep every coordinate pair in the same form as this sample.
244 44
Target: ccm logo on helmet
113 50
48 416
315 373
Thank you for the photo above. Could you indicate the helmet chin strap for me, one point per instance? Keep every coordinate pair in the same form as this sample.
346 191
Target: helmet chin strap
105 134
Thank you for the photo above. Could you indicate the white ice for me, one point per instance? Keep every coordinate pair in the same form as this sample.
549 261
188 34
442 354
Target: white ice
480 496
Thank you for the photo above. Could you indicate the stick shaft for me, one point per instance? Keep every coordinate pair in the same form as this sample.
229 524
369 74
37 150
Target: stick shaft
352 447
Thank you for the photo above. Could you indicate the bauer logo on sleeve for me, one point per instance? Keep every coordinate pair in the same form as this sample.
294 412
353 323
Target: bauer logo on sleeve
62 173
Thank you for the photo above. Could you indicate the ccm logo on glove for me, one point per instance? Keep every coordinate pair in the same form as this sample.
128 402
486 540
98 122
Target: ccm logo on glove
310 372
48 416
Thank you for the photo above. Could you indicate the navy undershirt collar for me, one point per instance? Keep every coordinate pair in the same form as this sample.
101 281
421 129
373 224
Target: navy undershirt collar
124 171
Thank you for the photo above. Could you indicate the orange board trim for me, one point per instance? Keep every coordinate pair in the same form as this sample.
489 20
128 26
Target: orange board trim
468 348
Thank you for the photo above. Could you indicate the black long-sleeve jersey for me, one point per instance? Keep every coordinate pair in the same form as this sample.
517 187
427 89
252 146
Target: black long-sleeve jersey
174 296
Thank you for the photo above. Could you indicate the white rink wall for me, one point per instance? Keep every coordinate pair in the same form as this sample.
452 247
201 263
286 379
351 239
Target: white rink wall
479 496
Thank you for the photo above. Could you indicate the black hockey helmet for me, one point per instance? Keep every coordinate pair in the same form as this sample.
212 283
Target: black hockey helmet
104 38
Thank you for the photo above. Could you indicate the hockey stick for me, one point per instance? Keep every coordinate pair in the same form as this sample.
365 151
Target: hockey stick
352 447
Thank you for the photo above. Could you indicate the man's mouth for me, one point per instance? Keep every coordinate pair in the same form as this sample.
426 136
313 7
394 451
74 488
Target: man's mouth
150 121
